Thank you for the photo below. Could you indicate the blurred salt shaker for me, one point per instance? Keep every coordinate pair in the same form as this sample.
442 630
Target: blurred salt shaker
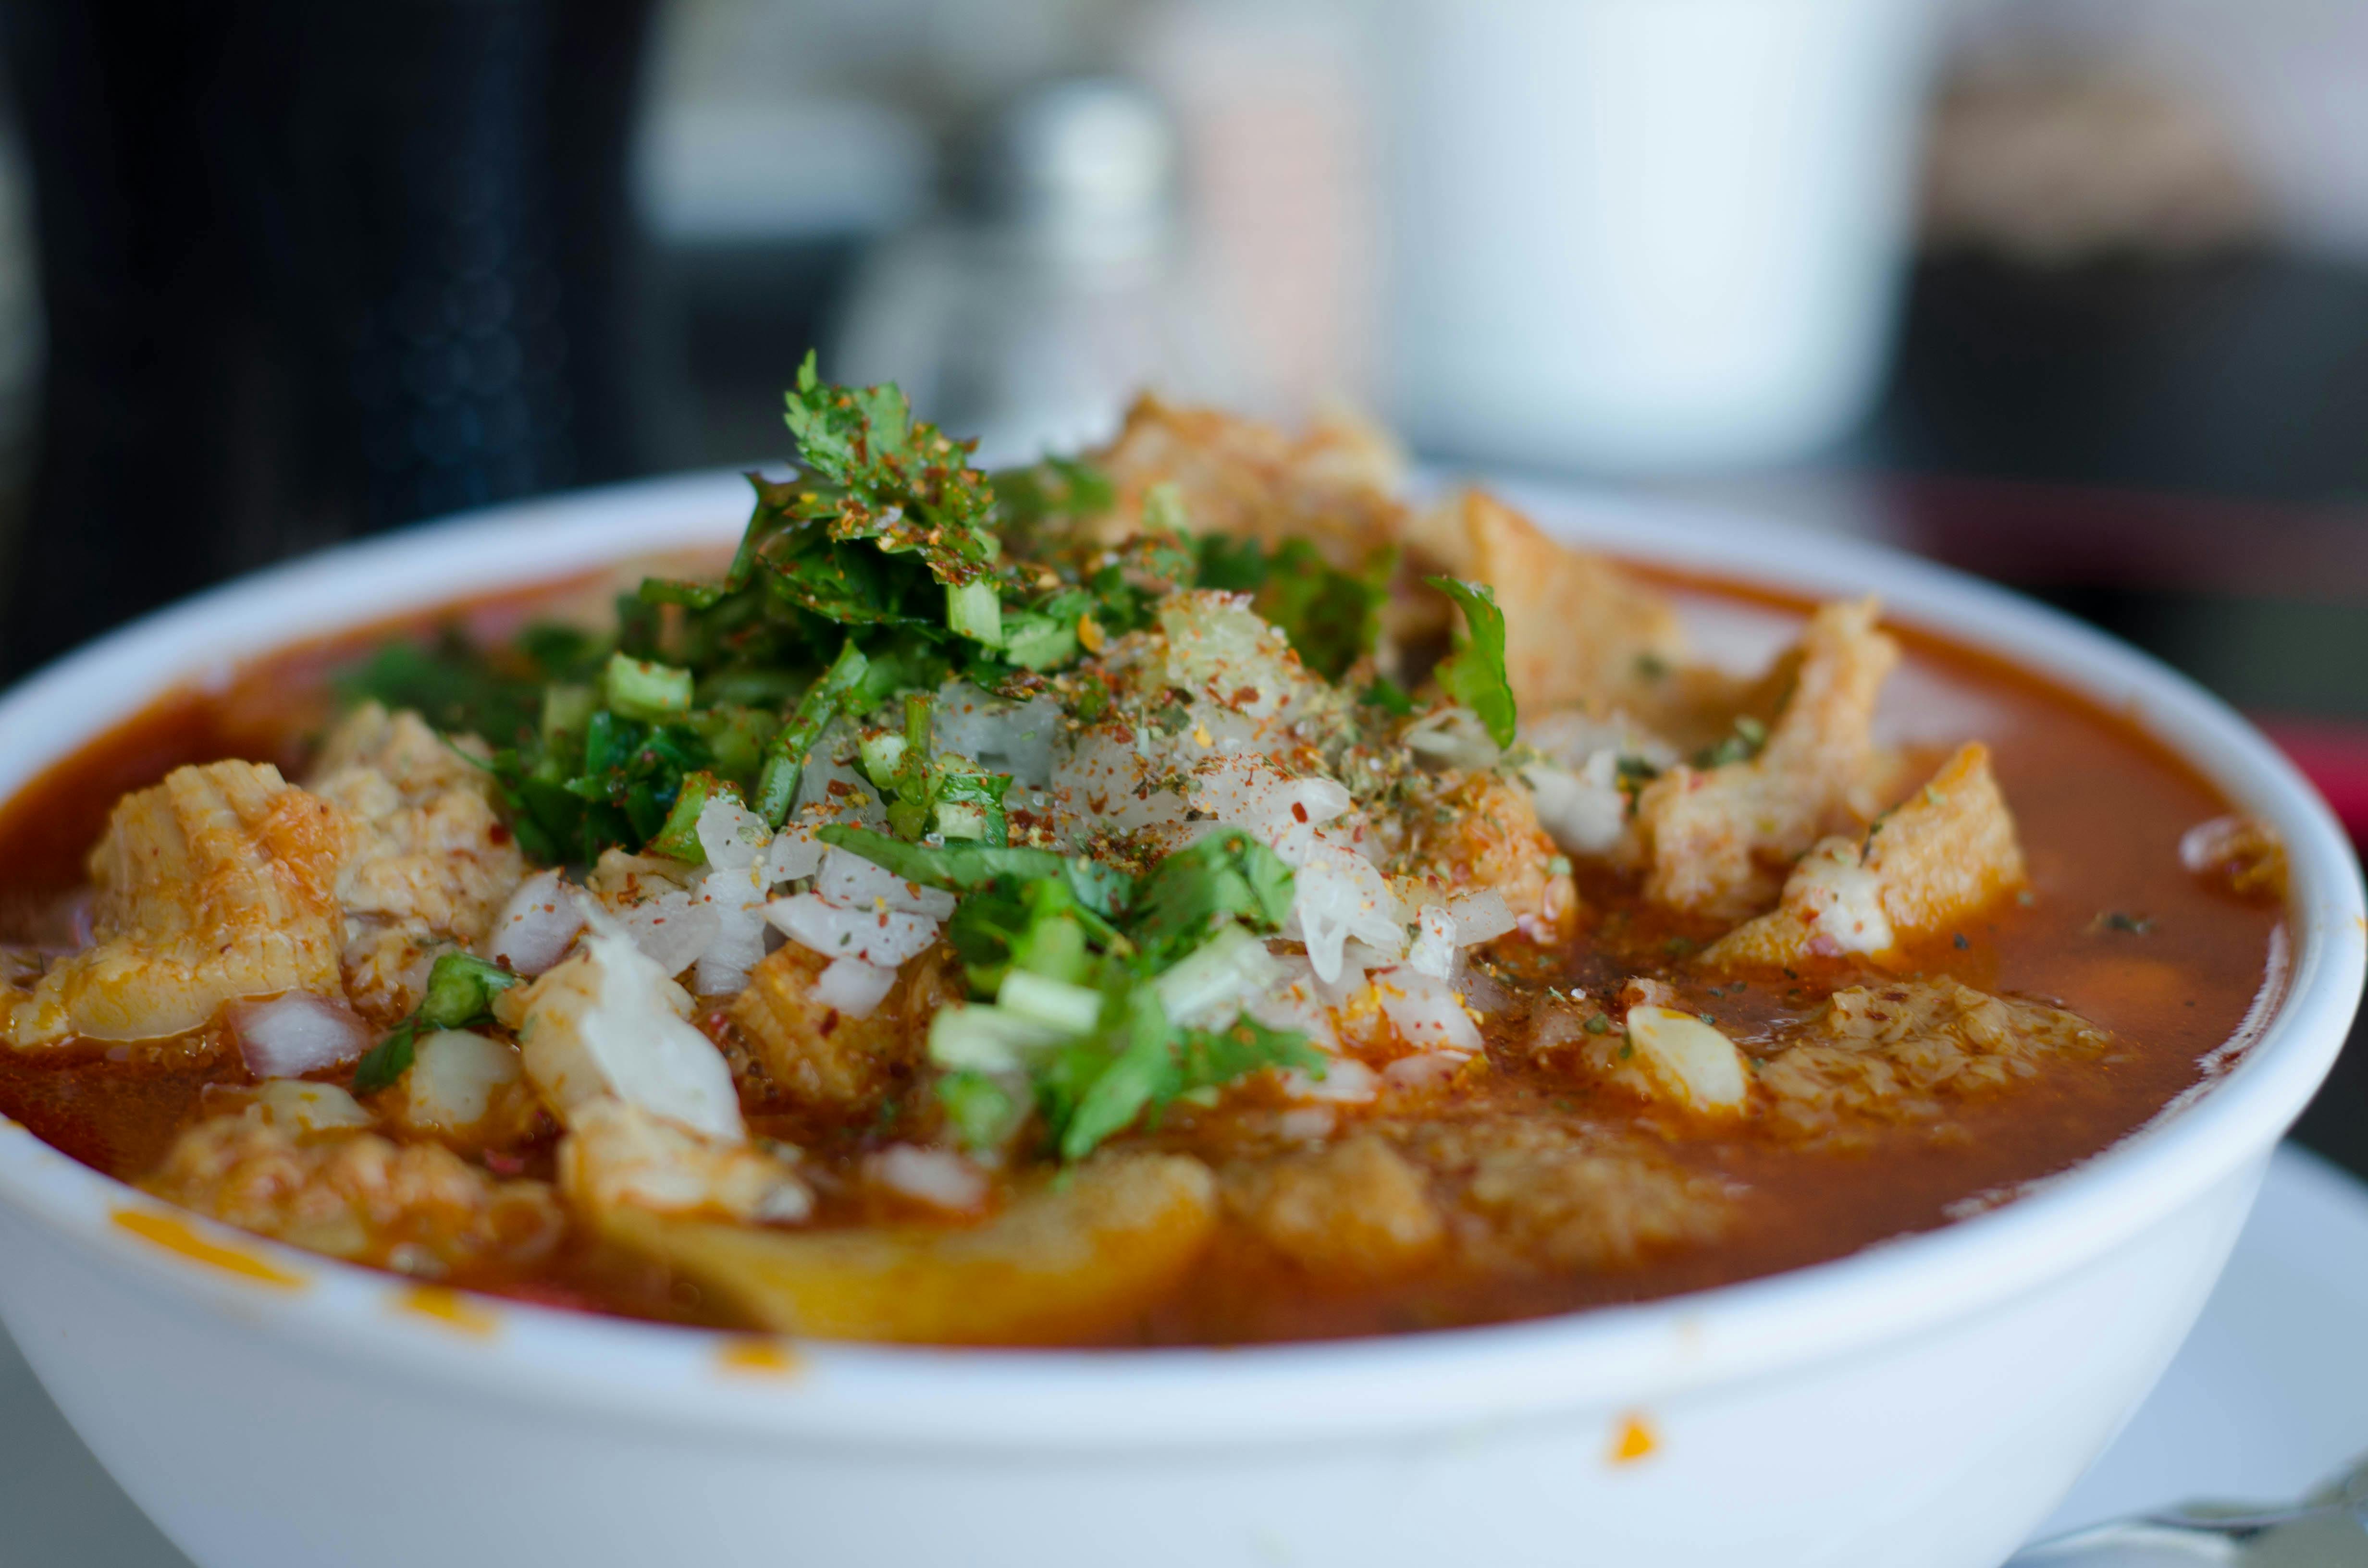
1645 236
1054 286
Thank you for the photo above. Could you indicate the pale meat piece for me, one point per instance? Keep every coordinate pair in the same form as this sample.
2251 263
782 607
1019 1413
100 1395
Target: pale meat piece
1544 1195
806 1052
431 863
417 1208
618 1155
1718 841
214 885
1902 1052
1579 631
1335 485
1474 831
1356 1208
1946 853
1071 1261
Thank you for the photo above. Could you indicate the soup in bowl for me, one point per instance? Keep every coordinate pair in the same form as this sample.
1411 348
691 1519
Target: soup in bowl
1434 1032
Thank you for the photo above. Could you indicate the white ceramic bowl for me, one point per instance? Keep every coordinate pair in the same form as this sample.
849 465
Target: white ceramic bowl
1922 1402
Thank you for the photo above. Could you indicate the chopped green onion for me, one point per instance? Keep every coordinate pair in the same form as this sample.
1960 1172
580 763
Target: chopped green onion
566 711
982 1110
785 759
973 609
640 689
1035 642
1055 1004
958 819
882 751
986 1038
461 991
679 840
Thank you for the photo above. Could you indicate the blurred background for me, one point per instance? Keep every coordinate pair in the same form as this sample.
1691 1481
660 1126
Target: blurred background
2070 292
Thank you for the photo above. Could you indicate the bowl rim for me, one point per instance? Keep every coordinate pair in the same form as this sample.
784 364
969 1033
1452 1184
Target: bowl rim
1606 1357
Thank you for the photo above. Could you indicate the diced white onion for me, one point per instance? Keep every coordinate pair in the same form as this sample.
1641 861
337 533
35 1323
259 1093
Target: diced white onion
733 836
1481 916
538 926
673 928
1001 737
1426 1070
1583 811
737 895
1293 1003
1453 737
454 1075
885 937
796 853
296 1034
937 1178
1433 952
854 987
1426 1011
1337 894
1688 1060
1346 1081
1208 988
853 882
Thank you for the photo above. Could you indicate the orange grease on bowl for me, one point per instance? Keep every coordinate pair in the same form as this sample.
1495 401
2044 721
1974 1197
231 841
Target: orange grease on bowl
453 1309
178 1237
1633 1440
759 1356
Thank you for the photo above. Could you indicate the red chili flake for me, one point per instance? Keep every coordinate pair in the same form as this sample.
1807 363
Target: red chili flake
498 833
1298 811
829 1022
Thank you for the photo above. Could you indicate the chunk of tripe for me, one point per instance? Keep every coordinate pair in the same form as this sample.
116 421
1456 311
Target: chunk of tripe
1948 852
213 886
1712 836
1076 1260
1687 1061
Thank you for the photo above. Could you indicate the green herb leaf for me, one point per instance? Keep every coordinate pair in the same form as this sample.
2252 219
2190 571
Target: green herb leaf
1333 617
1388 695
905 486
1473 675
964 868
1188 896
387 1061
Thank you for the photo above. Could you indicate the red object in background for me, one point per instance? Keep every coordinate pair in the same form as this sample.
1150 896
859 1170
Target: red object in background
2333 753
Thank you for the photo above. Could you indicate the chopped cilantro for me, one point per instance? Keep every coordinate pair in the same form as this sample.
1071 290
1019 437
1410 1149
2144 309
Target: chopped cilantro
1473 675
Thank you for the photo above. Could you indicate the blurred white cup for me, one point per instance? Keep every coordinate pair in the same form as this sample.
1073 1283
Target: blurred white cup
1640 235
